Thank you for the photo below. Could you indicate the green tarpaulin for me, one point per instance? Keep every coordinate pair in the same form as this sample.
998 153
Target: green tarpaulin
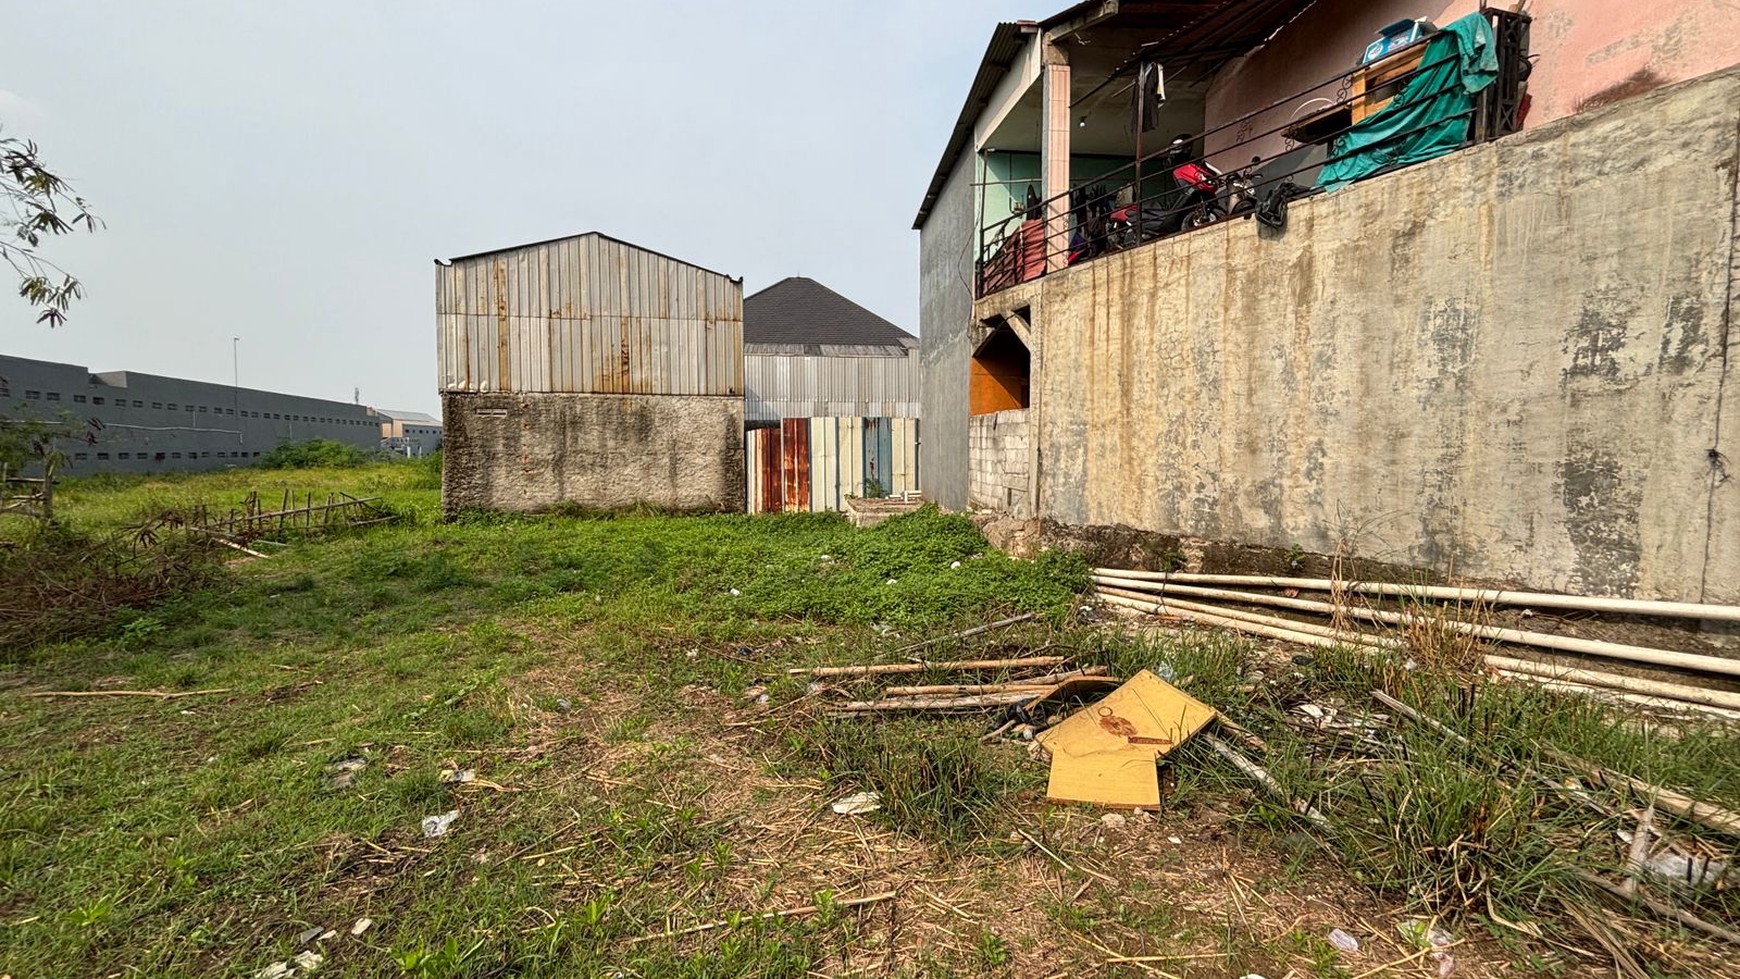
1429 117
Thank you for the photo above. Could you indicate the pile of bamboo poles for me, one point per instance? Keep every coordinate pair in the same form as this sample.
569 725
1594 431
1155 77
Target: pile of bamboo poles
1208 599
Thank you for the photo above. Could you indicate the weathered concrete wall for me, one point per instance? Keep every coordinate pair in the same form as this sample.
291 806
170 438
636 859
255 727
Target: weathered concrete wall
1509 362
530 452
1000 468
945 309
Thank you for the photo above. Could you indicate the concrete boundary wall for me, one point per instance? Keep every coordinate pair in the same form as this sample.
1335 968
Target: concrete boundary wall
530 452
1512 363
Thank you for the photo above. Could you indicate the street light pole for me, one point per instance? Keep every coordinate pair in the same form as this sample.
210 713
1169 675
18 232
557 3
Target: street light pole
236 385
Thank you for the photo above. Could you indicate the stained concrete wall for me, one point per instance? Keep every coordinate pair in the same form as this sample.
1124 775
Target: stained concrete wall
1000 470
946 245
1512 363
530 452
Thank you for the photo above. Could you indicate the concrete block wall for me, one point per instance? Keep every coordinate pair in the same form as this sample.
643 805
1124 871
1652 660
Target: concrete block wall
530 452
1512 363
1001 449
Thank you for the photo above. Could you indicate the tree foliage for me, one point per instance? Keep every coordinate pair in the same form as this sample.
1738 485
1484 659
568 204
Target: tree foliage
38 205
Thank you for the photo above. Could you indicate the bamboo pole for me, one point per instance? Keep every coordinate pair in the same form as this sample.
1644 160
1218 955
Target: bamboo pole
1490 596
966 664
1655 688
974 631
1590 647
1237 625
965 689
1613 696
1347 636
940 703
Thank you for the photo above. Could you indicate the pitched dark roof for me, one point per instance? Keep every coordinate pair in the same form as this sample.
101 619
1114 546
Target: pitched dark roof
800 310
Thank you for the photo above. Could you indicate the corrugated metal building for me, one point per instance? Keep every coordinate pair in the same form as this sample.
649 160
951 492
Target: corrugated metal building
833 399
591 372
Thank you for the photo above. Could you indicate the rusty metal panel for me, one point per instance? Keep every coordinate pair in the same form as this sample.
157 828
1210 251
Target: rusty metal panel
770 469
795 444
589 315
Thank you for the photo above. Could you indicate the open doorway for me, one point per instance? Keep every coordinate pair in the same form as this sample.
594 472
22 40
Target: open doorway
1002 370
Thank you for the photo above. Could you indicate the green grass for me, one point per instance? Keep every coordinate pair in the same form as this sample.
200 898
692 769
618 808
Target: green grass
586 668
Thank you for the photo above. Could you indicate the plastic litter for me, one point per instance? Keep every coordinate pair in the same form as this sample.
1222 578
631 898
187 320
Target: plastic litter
1446 964
954 565
343 773
1343 941
434 826
858 803
309 935
736 594
452 777
362 925
1423 932
307 961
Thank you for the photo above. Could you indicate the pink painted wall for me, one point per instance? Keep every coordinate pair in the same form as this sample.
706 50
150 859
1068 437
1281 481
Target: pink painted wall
1585 47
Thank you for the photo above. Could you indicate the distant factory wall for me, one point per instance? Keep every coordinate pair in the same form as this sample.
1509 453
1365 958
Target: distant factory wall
532 452
149 423
853 385
588 314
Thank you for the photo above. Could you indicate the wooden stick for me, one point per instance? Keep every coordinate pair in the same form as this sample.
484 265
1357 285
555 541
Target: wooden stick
1417 717
161 695
230 543
1672 913
856 902
1703 813
974 631
965 689
938 703
1488 596
1065 864
967 664
1263 778
1040 683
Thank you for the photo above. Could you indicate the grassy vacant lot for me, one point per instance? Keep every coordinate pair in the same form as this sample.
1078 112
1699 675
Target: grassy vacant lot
602 680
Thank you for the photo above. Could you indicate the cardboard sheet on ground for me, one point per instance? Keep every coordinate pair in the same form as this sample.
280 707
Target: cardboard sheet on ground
1105 753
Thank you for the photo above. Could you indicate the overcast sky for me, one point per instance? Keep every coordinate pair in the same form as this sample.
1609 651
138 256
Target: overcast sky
286 172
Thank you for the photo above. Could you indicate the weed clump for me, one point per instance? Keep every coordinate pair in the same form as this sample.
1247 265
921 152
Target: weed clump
316 453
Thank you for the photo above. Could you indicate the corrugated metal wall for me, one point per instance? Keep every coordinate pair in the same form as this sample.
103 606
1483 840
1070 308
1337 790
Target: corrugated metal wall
812 464
587 315
821 386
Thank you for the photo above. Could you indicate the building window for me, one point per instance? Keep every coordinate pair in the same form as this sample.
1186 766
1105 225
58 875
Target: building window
205 455
172 406
54 395
276 417
159 457
33 395
103 456
81 456
158 405
229 411
78 399
138 404
123 455
202 409
190 409
174 455
97 401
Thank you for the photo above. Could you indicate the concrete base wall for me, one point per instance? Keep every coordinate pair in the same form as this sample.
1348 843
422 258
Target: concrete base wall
530 452
1000 474
1512 363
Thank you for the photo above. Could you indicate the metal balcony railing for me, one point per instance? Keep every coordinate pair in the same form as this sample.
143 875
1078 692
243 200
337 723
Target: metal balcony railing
1123 208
